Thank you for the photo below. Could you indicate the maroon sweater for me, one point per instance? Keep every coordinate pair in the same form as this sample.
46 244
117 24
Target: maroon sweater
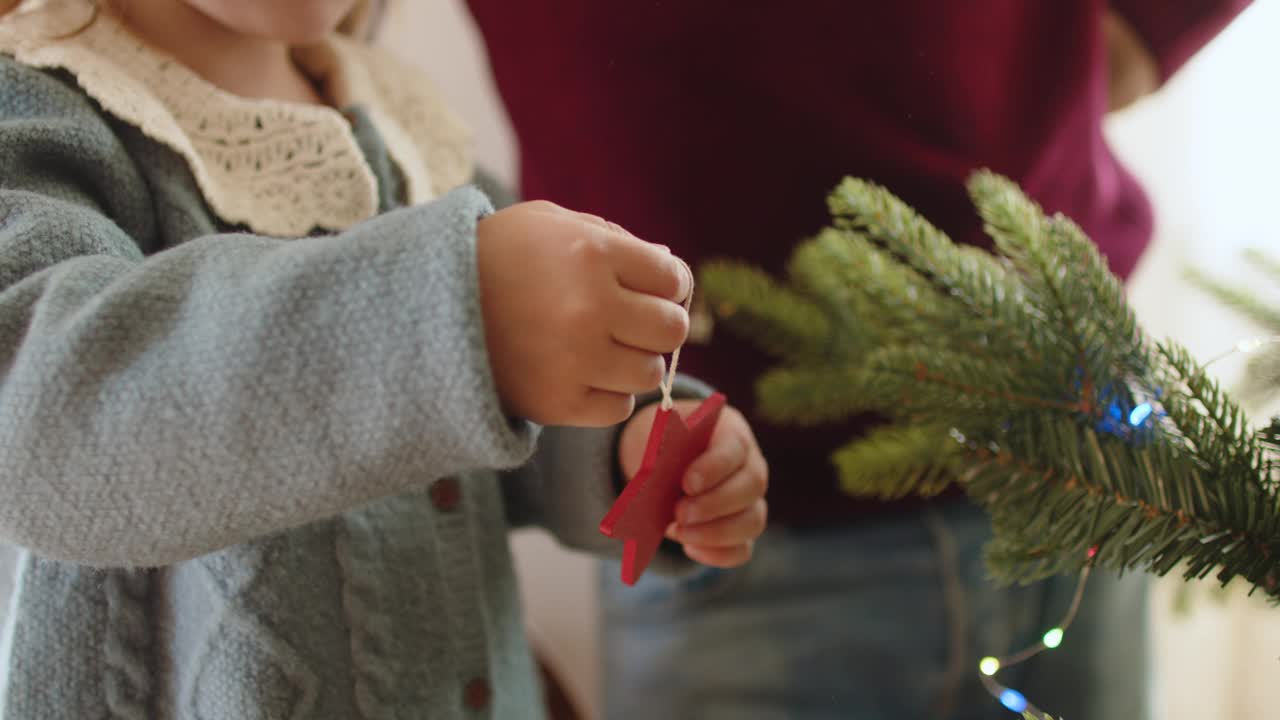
718 127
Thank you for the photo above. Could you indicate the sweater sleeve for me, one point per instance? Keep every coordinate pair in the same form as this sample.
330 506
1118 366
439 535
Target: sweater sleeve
1174 31
574 479
155 407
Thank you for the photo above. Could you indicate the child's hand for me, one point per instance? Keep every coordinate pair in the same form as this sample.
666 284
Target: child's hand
723 510
577 313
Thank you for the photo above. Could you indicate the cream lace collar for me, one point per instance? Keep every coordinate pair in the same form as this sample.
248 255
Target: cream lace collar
279 168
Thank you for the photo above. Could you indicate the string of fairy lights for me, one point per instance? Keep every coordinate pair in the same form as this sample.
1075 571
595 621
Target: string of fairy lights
1052 638
991 665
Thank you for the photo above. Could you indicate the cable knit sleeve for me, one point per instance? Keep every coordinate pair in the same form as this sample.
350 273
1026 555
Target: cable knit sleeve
1174 31
155 407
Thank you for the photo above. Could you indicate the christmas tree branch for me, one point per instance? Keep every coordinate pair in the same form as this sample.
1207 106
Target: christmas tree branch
800 396
1263 262
1215 426
1064 268
920 459
1023 377
780 321
1144 507
906 303
960 274
1238 298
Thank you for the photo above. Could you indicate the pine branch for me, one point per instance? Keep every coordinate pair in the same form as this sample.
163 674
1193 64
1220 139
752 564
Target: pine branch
1269 437
1026 379
900 381
823 268
992 296
1259 260
1216 428
804 395
1262 378
1146 508
1240 299
779 321
1064 270
896 461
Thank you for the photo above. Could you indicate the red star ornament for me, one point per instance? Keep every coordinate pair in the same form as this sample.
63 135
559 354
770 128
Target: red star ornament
647 506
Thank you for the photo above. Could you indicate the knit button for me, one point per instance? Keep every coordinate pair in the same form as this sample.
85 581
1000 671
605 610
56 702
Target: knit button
446 493
477 694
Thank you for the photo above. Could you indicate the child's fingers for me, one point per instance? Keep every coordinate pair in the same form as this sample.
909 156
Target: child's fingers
727 531
721 557
722 459
648 323
730 497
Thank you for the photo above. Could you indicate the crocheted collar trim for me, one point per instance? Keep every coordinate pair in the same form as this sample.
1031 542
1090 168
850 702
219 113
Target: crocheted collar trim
279 168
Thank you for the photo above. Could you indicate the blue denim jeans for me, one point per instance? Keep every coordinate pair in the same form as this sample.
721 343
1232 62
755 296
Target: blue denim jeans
885 619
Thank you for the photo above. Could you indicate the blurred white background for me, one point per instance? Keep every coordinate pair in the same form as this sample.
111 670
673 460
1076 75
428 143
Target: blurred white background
1208 149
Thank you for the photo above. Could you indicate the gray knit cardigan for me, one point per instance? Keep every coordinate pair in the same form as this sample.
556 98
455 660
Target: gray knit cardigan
253 478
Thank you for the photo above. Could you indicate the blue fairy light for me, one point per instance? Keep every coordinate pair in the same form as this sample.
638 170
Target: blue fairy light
1140 414
1013 700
